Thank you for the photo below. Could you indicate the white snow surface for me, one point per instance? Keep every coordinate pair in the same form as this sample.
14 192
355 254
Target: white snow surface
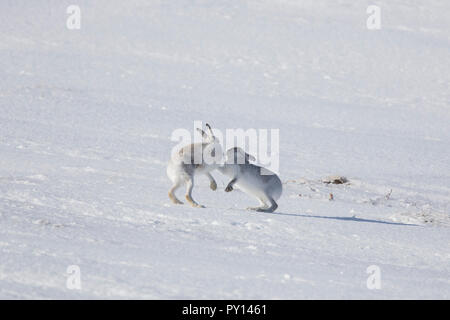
85 125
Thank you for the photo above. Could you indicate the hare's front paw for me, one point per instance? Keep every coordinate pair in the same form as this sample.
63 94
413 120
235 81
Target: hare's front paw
228 189
213 185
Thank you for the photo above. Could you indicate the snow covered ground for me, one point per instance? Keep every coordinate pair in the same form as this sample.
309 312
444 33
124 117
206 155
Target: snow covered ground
85 125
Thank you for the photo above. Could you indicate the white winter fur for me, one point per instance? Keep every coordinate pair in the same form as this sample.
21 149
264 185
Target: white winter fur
252 179
182 168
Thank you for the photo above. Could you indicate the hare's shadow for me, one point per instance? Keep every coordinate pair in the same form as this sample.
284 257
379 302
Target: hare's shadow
355 219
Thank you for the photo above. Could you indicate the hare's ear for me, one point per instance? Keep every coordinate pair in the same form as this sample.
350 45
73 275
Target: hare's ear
237 150
240 156
249 157
204 135
213 137
244 154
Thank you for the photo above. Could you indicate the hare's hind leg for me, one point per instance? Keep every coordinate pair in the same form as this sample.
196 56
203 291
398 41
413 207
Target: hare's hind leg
190 186
264 207
272 208
172 196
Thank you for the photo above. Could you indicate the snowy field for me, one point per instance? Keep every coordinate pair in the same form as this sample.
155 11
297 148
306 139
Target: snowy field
85 125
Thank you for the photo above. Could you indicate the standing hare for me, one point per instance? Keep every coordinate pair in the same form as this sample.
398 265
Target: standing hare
183 166
254 180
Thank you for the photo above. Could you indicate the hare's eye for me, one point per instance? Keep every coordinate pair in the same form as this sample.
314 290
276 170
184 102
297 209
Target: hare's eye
213 152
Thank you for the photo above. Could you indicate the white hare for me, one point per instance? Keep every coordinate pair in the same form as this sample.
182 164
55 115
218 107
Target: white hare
182 166
254 180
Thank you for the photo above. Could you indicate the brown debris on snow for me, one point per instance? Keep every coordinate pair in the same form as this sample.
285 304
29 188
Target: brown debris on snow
335 180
